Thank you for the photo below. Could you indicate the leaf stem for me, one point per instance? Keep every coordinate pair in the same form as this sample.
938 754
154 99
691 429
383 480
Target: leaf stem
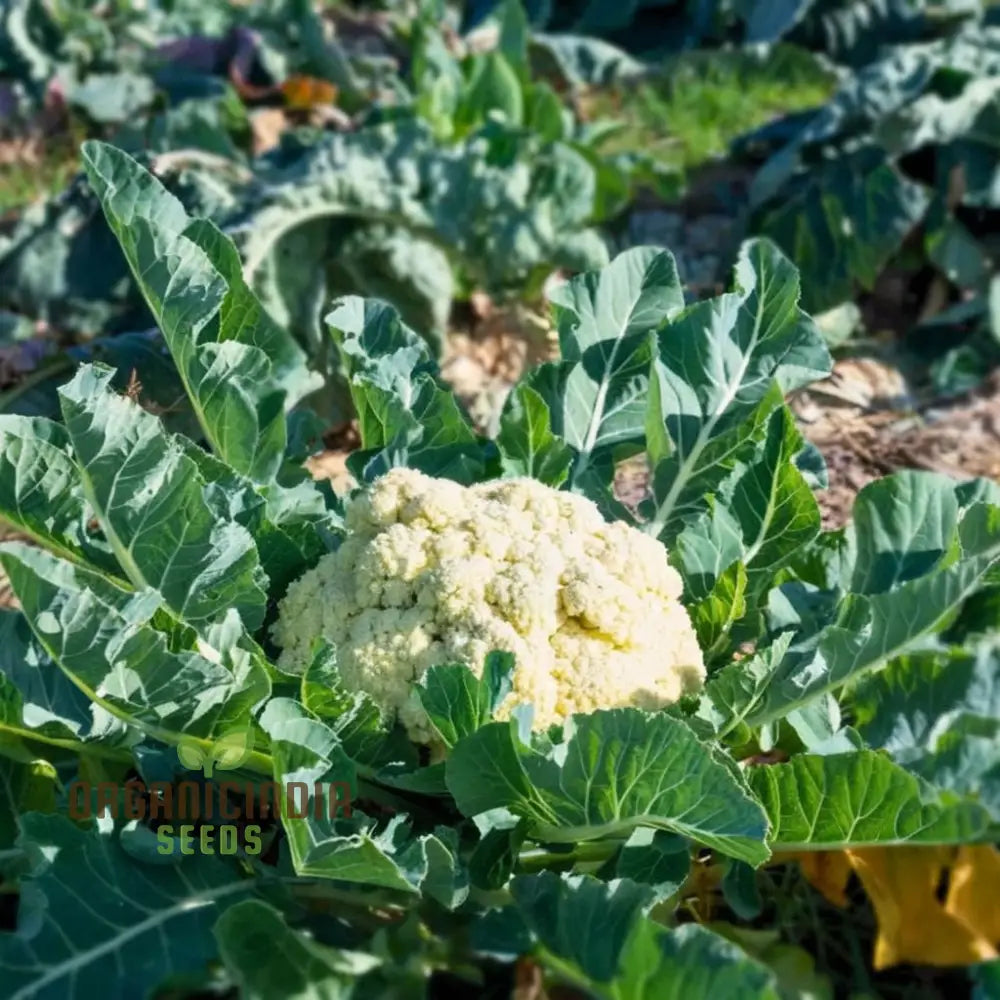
364 896
76 746
664 509
537 859
567 972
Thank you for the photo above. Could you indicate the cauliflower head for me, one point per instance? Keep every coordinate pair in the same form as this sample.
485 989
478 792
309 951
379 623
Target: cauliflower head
434 572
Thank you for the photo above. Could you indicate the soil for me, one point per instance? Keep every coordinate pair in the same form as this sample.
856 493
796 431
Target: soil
487 352
860 422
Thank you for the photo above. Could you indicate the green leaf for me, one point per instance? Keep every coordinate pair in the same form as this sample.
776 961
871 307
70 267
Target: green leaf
333 839
937 712
588 62
458 702
771 502
637 293
986 979
493 89
145 922
406 416
390 263
505 206
307 751
715 614
720 366
616 770
526 442
354 716
732 693
431 862
150 501
901 528
292 524
763 515
655 858
689 961
37 700
495 857
104 639
271 961
546 114
514 32
26 785
859 799
605 320
918 699
594 936
437 77
239 368
869 630
842 223
581 919
741 891
966 764
41 492
112 98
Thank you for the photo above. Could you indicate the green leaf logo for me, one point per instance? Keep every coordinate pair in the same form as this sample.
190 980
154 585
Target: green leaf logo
191 755
228 752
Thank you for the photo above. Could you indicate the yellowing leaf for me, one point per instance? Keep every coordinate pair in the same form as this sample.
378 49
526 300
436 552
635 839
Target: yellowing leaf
901 883
974 890
826 871
304 92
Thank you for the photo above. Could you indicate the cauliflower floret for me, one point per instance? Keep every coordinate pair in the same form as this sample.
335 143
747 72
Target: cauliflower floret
434 572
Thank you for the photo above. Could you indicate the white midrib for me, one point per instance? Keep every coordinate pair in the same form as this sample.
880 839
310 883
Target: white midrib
765 522
123 552
597 412
83 958
655 525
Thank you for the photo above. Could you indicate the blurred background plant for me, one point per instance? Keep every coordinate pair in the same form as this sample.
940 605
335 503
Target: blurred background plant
453 158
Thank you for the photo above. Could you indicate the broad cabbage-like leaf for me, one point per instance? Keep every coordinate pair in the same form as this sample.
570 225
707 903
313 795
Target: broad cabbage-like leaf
146 922
718 371
333 839
912 559
616 770
861 799
105 638
239 368
152 504
267 957
406 415
41 490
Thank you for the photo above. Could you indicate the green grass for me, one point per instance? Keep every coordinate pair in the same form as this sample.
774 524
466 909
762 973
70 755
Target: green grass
700 101
689 113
